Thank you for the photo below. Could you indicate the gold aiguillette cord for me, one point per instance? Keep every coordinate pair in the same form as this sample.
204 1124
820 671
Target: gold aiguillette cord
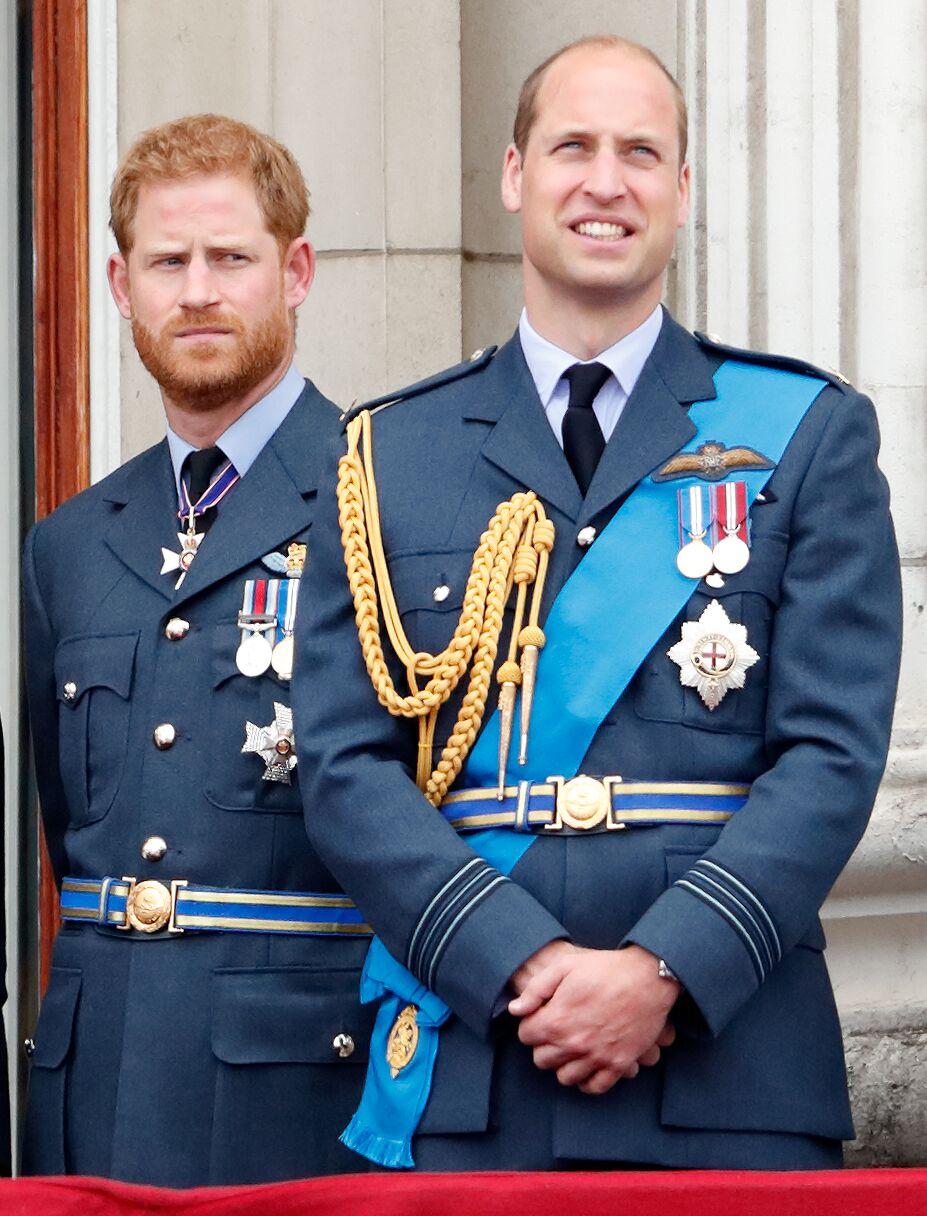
513 551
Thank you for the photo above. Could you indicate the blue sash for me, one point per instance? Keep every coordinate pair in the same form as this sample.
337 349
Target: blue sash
626 588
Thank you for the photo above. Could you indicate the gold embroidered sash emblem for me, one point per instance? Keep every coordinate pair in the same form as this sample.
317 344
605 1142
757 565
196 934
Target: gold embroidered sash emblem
403 1041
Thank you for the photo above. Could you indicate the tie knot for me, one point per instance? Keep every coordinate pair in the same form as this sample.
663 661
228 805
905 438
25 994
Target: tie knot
585 380
201 467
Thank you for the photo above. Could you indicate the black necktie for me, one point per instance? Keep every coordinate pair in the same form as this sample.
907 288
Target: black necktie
198 470
583 441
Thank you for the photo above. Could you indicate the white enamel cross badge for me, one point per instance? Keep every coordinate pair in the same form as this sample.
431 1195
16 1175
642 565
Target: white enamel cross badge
713 655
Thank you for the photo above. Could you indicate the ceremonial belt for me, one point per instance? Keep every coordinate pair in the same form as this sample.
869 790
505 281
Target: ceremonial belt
591 804
178 906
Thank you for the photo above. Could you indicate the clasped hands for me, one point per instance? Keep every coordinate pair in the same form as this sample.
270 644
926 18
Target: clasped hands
594 1016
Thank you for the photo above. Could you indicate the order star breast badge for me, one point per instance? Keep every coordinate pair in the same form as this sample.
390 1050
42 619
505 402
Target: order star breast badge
274 744
713 655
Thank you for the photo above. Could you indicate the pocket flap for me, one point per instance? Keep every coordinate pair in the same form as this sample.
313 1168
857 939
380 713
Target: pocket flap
436 580
762 575
100 661
288 1016
56 1018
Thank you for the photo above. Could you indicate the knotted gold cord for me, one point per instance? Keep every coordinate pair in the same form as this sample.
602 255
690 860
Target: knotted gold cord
512 551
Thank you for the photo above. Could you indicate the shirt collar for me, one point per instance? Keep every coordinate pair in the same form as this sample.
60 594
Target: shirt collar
625 360
243 440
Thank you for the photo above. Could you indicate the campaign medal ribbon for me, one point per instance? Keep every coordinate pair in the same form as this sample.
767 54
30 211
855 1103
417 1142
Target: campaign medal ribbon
226 477
282 657
731 551
694 559
256 618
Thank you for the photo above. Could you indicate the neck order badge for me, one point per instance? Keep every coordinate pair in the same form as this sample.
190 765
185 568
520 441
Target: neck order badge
581 636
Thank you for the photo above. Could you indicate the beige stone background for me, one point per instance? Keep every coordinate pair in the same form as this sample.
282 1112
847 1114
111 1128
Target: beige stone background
808 235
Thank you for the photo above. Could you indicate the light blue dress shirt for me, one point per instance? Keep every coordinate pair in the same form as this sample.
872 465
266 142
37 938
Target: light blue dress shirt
243 440
625 360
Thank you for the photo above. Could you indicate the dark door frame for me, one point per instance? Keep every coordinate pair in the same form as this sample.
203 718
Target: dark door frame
61 308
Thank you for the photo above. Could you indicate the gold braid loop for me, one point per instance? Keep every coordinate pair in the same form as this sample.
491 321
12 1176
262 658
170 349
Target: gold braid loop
512 553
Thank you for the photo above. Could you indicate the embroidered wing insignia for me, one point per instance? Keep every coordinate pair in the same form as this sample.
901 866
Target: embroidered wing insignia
712 461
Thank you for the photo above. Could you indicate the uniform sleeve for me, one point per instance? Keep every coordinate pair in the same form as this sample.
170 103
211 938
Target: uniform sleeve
834 656
43 709
438 907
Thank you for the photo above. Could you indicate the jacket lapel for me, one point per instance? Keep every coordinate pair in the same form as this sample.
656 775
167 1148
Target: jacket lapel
522 442
269 505
654 423
146 519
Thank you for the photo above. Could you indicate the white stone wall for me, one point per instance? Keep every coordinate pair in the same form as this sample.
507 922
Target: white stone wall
808 236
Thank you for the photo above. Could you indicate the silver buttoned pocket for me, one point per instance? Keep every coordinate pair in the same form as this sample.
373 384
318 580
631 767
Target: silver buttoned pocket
235 779
749 598
93 677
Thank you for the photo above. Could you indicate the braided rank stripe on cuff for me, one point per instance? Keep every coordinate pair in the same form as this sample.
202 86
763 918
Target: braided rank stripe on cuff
456 899
741 908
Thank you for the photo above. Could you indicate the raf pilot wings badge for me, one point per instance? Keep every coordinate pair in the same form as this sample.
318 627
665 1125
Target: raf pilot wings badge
712 461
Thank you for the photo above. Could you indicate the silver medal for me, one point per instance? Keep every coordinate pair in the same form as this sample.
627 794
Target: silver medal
731 554
694 560
253 656
282 657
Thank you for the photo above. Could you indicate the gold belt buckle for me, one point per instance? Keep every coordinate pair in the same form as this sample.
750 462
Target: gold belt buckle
152 905
582 803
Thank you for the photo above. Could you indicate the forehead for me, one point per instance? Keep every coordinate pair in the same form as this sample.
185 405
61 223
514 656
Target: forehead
216 203
608 88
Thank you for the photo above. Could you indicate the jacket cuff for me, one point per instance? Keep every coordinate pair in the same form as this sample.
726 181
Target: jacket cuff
474 938
719 961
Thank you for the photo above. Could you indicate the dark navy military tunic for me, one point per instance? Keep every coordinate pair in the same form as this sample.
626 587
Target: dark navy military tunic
206 1057
756 1078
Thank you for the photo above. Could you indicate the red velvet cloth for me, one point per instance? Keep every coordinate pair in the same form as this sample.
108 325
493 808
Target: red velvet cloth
697 1193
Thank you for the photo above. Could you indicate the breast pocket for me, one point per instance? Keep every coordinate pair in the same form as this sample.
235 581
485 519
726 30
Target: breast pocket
429 590
235 778
749 599
93 676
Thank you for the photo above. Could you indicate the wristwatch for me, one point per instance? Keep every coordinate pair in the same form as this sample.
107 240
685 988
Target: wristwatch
665 972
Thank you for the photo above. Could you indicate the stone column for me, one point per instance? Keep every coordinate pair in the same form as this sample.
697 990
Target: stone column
810 238
367 96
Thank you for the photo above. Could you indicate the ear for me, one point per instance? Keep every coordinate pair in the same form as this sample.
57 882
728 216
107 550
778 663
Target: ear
683 214
118 274
298 271
511 180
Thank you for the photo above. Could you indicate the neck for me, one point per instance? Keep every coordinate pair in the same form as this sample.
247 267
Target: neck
587 323
203 426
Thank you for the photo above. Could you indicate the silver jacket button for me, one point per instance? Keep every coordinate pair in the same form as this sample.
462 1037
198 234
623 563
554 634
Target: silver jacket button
343 1044
164 735
477 354
176 628
440 593
29 1047
585 536
154 848
69 691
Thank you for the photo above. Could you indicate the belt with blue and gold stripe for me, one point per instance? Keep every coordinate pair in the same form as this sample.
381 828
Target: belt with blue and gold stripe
593 804
177 906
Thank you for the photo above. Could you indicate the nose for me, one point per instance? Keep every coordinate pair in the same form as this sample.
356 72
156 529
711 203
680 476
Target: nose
605 179
200 288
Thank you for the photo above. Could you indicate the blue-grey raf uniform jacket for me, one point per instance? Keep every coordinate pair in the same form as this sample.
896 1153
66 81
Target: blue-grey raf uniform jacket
756 1078
202 1058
